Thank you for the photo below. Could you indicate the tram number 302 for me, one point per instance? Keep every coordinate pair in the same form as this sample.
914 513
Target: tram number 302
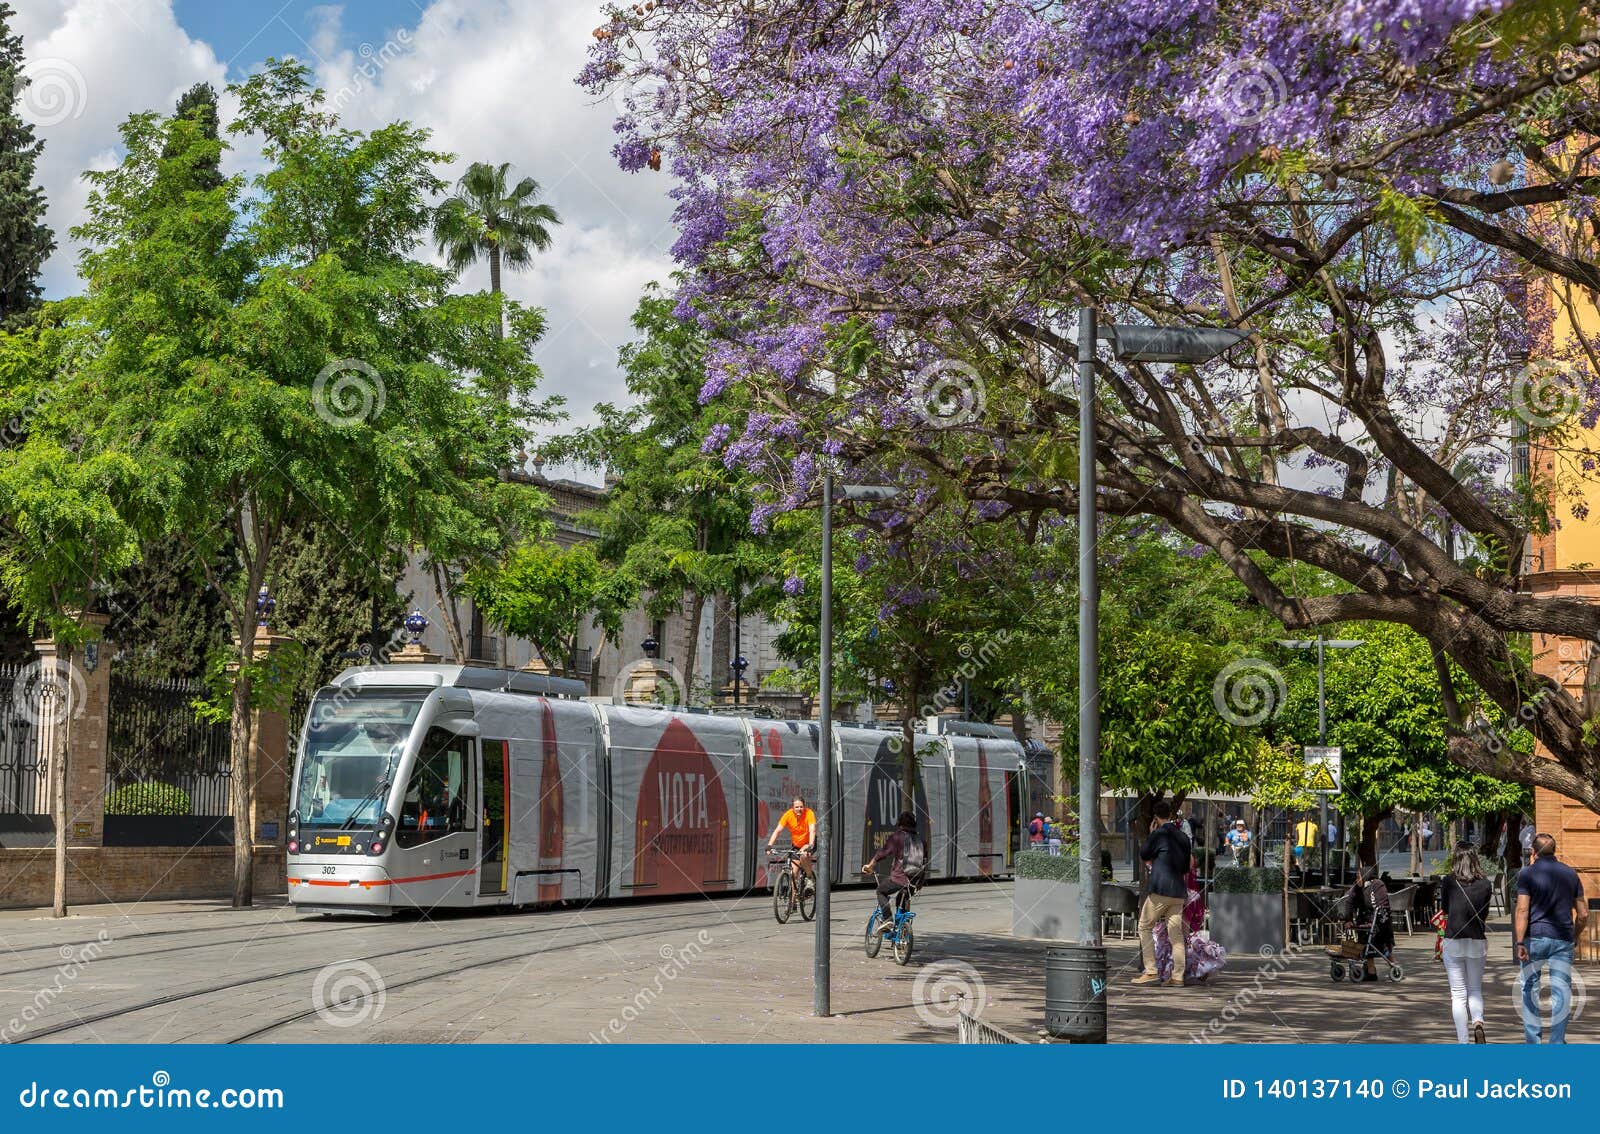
330 870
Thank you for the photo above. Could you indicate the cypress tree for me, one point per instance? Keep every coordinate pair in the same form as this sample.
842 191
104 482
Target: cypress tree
25 241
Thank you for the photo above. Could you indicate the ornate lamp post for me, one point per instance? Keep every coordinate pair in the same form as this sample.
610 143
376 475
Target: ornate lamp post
265 605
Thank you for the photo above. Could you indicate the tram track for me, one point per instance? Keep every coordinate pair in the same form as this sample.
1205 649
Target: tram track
692 915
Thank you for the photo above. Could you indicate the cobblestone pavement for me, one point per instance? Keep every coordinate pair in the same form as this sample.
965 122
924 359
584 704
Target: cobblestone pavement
721 970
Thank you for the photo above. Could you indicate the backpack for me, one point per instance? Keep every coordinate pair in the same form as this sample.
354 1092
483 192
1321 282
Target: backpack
1036 828
913 859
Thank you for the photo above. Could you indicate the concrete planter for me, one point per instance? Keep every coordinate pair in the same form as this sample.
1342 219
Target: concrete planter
1043 909
1246 923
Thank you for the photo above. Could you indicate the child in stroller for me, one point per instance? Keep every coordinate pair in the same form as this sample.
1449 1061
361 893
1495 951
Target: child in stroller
1369 933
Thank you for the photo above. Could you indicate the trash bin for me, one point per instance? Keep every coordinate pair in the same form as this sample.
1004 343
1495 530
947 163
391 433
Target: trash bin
1075 993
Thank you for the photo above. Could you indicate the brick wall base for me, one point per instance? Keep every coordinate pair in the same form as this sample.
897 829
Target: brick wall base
97 875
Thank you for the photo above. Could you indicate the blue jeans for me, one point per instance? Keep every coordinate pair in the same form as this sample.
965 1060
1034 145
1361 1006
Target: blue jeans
1557 954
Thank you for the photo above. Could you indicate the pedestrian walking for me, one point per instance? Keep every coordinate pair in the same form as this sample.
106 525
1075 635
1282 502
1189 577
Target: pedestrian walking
1036 830
1550 913
1369 901
1169 855
1052 835
1464 899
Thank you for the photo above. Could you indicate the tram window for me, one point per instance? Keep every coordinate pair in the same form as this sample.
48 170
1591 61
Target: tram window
439 797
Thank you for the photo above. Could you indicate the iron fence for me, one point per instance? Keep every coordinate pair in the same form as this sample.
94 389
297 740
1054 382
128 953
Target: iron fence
24 778
972 1029
169 773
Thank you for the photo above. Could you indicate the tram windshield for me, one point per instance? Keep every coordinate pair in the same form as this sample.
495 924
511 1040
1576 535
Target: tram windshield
352 750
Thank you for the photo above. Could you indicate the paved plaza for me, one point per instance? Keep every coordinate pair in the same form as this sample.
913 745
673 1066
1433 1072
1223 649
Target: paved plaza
720 971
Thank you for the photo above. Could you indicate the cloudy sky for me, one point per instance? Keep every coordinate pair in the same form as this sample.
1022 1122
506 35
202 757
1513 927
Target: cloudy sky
493 79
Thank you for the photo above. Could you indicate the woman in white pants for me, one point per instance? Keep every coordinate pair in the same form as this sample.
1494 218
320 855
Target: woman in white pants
1465 899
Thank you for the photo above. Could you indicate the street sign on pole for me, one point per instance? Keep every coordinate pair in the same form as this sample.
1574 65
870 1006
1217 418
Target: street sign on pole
1324 770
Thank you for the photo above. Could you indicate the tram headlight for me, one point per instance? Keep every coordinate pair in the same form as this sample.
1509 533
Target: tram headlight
294 845
375 847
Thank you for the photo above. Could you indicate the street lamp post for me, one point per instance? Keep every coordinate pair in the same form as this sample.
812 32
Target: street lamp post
1073 1011
1322 645
821 1002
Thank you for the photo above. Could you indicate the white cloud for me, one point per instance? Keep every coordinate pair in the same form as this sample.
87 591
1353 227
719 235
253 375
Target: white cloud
492 79
106 58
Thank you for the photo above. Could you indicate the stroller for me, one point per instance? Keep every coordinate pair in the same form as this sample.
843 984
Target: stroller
1348 959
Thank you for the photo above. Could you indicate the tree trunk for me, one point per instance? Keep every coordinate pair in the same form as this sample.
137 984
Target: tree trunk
494 288
241 733
1367 854
908 733
57 707
449 613
697 609
1416 844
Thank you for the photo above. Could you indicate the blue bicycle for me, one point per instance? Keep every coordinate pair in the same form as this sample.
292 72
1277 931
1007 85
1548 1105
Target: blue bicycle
899 936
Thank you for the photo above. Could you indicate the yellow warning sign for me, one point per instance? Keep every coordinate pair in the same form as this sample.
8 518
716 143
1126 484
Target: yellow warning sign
1321 779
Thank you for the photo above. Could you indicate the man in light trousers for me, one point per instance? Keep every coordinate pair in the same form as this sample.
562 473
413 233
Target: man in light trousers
1167 852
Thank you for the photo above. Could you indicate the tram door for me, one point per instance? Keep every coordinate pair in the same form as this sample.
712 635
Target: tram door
496 832
438 829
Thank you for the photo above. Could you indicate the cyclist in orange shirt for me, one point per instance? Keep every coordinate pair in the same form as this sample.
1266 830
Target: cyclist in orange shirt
801 823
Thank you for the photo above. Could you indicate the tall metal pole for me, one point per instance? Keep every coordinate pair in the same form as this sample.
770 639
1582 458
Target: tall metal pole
1088 646
822 993
1322 741
738 646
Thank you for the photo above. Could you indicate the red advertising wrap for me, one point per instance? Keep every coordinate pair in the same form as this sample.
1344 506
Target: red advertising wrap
552 812
681 827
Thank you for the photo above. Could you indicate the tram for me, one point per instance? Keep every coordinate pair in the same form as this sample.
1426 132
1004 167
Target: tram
448 786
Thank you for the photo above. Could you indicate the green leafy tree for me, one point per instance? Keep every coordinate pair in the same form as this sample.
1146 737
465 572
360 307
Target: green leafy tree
333 600
1384 711
545 593
921 605
676 519
64 533
25 240
280 356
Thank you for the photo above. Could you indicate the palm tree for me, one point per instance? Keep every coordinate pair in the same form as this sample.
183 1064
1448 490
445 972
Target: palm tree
485 219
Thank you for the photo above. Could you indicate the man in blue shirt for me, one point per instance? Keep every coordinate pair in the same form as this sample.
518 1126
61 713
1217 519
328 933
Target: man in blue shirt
1550 913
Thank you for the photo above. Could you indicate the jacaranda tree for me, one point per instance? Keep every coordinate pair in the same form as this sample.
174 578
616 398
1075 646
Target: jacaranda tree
891 212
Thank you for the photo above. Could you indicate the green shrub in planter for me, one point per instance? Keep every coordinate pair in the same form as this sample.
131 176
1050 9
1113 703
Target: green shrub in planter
148 798
1248 880
1061 867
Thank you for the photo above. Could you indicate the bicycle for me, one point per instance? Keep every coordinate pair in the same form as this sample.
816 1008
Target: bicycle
784 897
900 936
